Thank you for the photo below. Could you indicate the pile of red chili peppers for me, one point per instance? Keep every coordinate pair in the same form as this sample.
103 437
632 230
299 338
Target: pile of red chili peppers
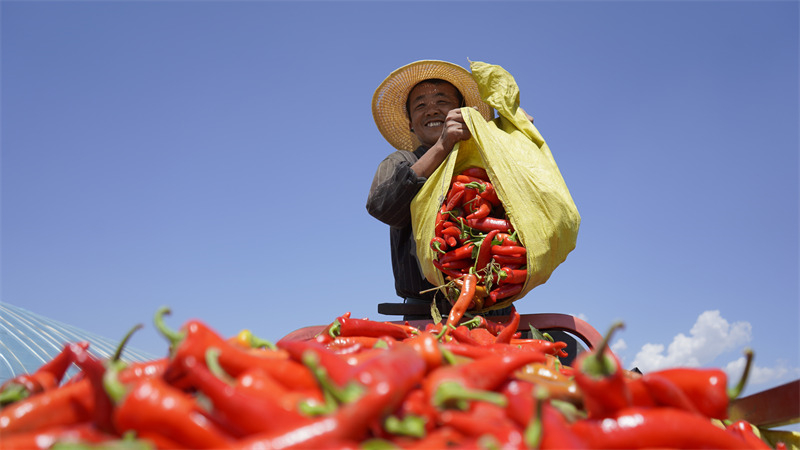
364 384
476 246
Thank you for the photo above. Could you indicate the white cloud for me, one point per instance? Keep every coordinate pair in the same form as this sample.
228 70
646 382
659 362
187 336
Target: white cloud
619 345
758 374
710 336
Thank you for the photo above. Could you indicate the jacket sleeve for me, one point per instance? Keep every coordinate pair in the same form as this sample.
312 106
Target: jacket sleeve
393 188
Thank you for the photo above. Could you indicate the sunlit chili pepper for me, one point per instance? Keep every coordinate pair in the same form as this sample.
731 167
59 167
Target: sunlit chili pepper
744 430
602 380
426 344
658 427
349 326
152 405
242 413
463 301
505 291
543 345
490 223
704 391
508 250
490 194
70 404
195 338
47 376
463 252
549 429
477 379
484 251
477 172
505 260
512 276
481 209
507 333
387 379
82 433
485 419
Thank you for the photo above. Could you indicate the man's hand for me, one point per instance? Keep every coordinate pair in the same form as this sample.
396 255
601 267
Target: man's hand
455 129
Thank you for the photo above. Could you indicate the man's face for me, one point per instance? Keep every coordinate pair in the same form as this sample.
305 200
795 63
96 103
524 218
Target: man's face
428 105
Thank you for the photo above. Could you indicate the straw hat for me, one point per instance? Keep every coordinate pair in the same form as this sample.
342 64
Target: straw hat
389 100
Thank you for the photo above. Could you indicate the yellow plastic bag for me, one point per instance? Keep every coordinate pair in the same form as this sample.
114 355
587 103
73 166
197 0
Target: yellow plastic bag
524 174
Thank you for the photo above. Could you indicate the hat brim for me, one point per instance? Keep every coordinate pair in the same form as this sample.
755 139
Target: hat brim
389 100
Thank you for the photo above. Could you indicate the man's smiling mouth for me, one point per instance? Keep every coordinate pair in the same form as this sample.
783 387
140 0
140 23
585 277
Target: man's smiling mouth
435 123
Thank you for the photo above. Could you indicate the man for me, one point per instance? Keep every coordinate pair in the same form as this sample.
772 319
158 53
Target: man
417 109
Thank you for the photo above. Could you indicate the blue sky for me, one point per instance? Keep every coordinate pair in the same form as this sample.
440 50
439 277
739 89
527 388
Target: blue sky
216 156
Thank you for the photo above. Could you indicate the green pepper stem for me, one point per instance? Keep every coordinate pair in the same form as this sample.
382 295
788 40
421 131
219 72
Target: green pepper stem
257 342
335 329
212 362
598 363
472 323
533 432
113 385
346 394
121 347
174 337
410 425
735 391
13 393
450 392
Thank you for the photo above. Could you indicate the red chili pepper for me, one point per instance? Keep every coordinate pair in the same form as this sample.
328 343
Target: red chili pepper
512 276
451 231
95 370
438 244
242 413
504 337
665 393
426 344
490 223
348 326
485 419
490 194
508 250
477 172
505 291
47 376
453 273
461 304
454 197
416 403
484 251
68 405
458 264
655 428
485 374
482 336
461 334
548 347
83 433
465 251
195 338
441 438
509 260
482 208
387 378
602 380
556 431
704 391
744 430
151 405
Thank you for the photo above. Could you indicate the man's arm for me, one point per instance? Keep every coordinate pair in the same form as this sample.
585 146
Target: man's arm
455 129
393 188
